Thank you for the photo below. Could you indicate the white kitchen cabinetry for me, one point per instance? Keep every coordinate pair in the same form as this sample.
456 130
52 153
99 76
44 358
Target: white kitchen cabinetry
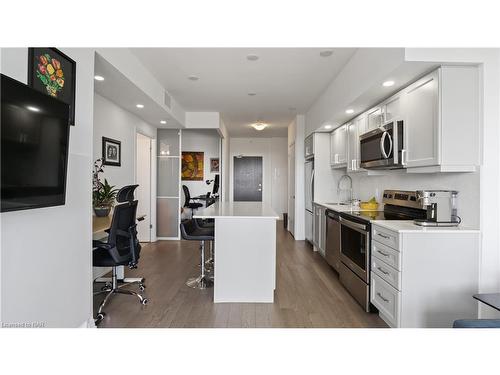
441 113
424 278
391 108
354 130
319 228
338 147
374 118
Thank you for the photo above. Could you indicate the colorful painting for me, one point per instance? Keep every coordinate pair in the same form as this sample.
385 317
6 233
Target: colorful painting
214 165
192 166
52 72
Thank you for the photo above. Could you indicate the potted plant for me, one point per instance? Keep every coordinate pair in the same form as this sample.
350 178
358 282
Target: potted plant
103 194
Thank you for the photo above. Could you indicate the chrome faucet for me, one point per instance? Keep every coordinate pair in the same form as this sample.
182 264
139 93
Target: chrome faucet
350 187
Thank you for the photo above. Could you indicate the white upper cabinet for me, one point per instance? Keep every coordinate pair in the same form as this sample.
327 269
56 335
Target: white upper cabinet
338 147
421 125
354 130
374 118
441 114
391 108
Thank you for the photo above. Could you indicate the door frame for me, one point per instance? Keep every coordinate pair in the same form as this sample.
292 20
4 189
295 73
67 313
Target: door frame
152 190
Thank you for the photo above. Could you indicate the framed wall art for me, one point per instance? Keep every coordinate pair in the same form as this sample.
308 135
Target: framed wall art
192 166
111 152
52 72
214 165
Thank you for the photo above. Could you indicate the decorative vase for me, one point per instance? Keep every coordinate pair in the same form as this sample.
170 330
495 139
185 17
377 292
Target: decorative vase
102 211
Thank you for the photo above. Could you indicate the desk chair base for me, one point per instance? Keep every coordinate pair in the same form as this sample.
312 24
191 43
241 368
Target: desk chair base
125 281
114 288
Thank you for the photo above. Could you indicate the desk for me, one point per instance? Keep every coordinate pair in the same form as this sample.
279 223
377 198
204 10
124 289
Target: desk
245 251
490 299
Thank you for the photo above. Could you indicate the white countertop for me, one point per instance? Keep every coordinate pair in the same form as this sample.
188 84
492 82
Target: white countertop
407 226
339 207
401 225
236 209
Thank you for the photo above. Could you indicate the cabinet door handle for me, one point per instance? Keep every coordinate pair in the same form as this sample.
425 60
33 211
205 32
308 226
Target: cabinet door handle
383 236
383 271
382 253
403 157
382 297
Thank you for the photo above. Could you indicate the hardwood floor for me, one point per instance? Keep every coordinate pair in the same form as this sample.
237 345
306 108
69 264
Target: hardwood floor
308 293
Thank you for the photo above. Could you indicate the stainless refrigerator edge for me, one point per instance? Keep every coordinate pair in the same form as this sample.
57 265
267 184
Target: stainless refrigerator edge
309 190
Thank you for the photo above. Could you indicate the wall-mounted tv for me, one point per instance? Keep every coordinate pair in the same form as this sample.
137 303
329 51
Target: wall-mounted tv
34 147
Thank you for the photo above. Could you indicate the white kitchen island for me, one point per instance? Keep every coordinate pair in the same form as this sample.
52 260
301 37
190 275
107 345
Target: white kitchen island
245 251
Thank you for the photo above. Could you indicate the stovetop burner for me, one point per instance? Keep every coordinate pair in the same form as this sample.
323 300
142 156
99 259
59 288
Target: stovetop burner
379 215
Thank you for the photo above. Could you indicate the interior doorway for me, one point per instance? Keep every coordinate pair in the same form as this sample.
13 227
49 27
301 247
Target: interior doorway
247 180
143 179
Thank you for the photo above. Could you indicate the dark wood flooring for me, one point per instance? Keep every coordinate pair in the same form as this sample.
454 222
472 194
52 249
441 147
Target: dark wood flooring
308 293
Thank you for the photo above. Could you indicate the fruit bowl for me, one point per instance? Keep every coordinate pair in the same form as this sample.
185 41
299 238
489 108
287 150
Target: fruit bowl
368 206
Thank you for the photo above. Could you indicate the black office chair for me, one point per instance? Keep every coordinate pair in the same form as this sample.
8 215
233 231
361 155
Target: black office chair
191 232
188 200
122 248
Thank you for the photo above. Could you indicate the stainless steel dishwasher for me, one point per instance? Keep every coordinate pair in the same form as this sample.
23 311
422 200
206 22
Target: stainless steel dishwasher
332 248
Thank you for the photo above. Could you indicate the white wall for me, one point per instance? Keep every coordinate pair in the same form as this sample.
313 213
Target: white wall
208 142
274 152
114 122
46 264
296 131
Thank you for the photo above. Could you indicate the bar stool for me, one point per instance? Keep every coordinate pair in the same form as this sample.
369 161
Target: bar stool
191 232
208 224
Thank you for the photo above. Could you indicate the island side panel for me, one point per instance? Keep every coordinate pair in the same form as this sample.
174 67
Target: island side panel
245 260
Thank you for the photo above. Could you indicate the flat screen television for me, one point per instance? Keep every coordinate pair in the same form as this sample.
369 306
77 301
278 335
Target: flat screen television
34 147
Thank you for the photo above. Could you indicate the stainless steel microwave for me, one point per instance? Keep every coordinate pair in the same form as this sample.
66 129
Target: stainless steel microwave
383 148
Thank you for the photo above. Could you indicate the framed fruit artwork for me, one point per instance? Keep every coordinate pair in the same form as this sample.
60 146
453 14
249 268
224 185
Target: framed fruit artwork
192 166
52 72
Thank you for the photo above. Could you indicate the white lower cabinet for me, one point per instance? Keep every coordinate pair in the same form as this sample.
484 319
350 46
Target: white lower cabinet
424 277
386 299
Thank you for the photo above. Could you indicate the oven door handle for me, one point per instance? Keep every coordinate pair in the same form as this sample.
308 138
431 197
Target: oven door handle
382 145
353 225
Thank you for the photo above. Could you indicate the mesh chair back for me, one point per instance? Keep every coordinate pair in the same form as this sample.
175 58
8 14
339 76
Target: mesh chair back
123 232
126 193
187 195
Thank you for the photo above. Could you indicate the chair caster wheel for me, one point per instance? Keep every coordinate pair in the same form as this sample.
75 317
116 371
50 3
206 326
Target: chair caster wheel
142 287
145 301
105 288
100 317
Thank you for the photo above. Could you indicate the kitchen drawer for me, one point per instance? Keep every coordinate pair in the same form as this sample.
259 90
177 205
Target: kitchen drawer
386 237
386 272
386 299
389 255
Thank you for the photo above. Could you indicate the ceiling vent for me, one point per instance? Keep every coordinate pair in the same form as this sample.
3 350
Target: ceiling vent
167 99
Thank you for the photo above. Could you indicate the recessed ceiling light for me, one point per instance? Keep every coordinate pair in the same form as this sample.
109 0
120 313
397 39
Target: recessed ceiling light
99 78
193 78
252 93
326 53
327 126
163 122
33 109
259 126
252 57
388 83
349 111
139 105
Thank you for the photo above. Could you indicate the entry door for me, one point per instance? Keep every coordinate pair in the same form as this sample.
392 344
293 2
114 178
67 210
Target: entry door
143 192
291 189
247 179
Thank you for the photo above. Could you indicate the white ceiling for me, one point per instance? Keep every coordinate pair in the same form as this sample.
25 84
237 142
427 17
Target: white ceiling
282 78
120 90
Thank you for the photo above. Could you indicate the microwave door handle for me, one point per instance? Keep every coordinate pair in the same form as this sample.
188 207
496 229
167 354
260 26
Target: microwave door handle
382 145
